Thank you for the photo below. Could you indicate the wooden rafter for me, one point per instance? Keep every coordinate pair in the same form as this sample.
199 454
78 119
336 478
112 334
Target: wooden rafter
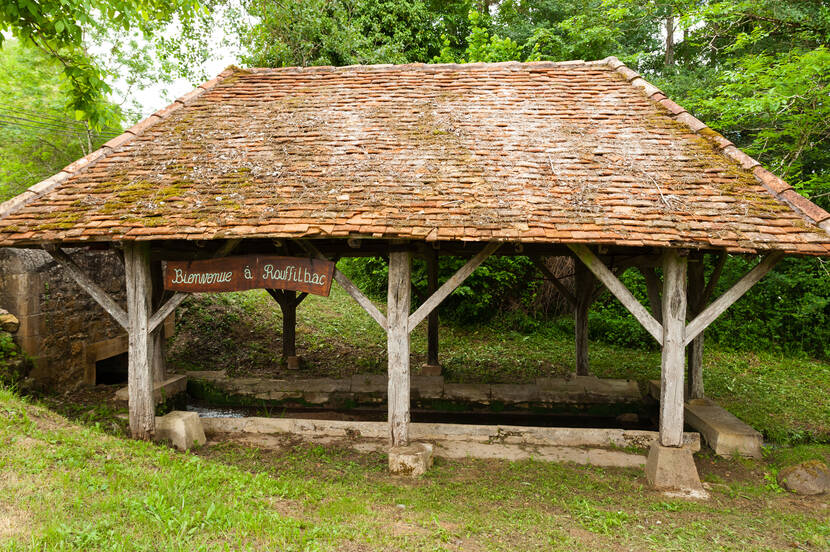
94 290
348 285
719 305
450 285
557 283
604 274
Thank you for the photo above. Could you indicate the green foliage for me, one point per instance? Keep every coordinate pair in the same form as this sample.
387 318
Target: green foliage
59 27
497 285
14 365
38 135
338 32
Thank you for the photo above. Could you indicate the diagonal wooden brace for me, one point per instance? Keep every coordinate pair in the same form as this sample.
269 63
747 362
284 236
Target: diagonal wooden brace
450 285
719 305
94 290
560 287
619 290
348 285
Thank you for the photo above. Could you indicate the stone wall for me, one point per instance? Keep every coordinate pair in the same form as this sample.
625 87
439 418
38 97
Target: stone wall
62 328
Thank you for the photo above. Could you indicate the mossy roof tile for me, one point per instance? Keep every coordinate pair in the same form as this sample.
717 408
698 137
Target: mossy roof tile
534 152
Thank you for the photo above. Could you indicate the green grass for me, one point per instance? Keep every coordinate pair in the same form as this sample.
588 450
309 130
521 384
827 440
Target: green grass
66 487
783 397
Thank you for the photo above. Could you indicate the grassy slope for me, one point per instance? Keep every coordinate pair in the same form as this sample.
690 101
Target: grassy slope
785 398
64 487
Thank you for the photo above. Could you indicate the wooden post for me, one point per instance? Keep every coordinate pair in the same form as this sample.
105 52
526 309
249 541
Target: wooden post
584 283
697 284
655 290
673 357
397 343
139 303
288 300
432 319
157 334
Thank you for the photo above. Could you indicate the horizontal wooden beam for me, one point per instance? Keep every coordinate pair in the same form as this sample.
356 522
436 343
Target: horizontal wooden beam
560 287
348 285
94 290
450 285
165 310
619 290
719 305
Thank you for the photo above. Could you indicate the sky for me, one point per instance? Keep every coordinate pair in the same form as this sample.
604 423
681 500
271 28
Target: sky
159 95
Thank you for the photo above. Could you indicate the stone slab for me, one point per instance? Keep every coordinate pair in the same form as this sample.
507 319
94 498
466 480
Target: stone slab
412 460
672 469
724 433
162 391
182 429
471 392
593 446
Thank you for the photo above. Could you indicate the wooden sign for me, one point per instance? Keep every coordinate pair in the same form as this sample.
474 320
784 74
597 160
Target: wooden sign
250 272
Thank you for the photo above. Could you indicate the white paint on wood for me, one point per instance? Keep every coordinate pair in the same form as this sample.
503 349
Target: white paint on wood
719 305
673 353
166 310
140 373
349 286
450 285
85 282
397 343
619 290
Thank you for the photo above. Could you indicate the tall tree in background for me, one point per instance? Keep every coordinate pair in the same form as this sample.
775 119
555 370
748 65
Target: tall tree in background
38 132
60 29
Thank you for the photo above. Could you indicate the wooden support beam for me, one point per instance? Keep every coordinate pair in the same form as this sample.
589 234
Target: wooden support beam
397 344
694 354
431 256
348 285
619 290
654 288
673 357
584 282
557 283
139 304
450 285
166 310
718 306
85 282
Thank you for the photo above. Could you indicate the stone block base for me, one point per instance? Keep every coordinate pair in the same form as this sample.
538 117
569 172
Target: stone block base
183 429
413 460
292 363
672 469
431 370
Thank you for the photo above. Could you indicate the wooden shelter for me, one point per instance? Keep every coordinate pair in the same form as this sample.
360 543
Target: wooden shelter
583 159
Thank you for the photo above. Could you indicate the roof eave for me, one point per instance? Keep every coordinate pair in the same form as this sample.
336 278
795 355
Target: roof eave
777 187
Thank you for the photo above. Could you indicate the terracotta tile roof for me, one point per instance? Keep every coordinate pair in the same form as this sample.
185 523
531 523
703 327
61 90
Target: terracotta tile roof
530 152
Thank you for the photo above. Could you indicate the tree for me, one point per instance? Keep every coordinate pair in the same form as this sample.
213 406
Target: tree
38 135
60 29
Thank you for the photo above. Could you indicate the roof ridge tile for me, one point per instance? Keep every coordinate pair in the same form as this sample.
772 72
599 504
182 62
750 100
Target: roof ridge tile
76 167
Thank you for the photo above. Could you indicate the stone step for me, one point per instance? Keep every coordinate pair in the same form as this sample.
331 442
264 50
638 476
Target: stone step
162 391
725 434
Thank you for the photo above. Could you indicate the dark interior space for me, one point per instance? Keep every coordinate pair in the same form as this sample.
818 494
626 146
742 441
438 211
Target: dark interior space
112 370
